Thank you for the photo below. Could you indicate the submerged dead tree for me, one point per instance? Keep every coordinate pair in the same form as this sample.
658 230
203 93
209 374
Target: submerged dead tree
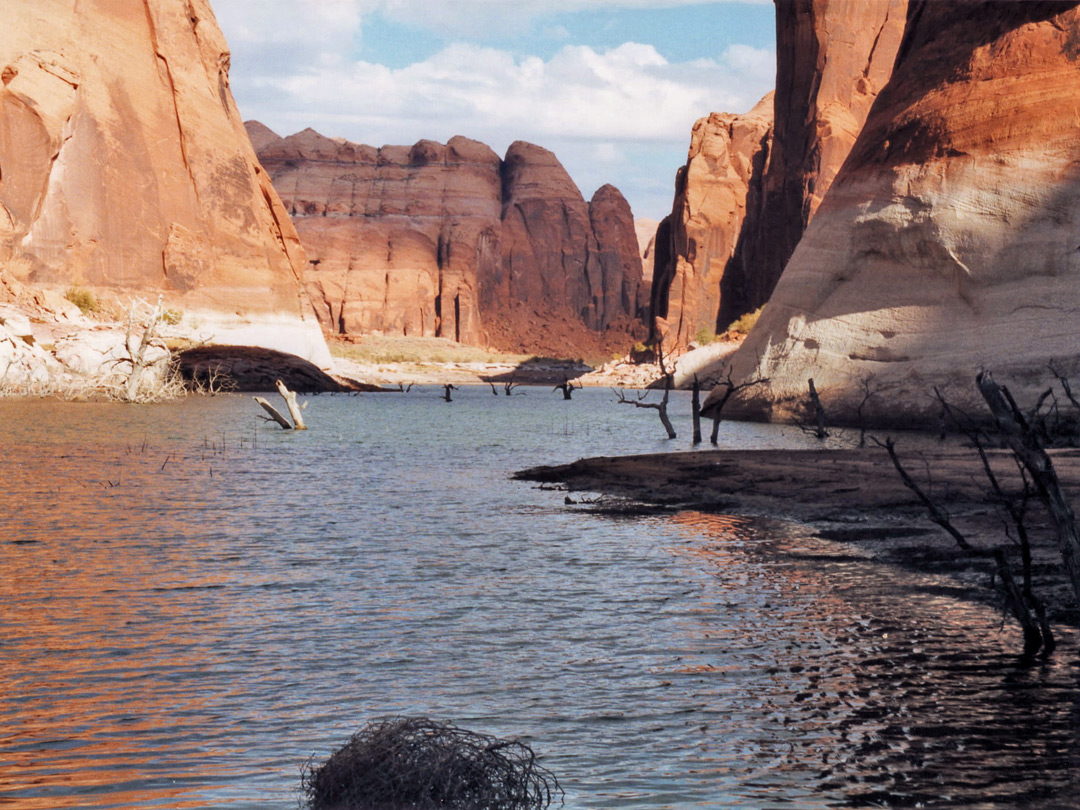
567 387
817 412
1026 434
1021 602
1024 441
295 410
695 409
730 388
660 407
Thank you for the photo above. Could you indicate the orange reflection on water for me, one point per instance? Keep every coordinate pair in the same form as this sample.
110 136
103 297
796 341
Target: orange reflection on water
95 678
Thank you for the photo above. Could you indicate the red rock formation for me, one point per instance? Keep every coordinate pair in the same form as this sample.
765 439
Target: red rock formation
833 58
391 233
717 196
646 236
124 166
741 202
449 241
623 293
947 243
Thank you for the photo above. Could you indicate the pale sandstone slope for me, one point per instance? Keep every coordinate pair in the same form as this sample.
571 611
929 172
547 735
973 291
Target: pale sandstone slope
948 241
125 168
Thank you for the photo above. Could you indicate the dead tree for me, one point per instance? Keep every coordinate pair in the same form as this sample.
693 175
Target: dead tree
730 388
869 391
447 388
660 407
290 402
819 413
695 408
509 386
1021 602
566 387
142 385
494 390
1025 443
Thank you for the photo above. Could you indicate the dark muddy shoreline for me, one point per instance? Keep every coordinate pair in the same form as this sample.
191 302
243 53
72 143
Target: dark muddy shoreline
852 496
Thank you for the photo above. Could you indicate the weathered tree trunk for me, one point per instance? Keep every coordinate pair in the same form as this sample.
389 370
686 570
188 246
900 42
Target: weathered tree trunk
294 409
663 408
275 414
695 404
566 387
1024 443
290 402
819 412
137 354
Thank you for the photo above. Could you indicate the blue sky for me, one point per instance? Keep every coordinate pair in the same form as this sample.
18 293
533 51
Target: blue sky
613 87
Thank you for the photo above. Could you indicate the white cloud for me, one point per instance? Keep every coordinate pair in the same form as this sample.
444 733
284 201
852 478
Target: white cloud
626 93
292 68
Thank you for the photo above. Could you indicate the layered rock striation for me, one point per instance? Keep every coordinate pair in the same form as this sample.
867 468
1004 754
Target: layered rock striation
125 168
745 196
947 242
452 241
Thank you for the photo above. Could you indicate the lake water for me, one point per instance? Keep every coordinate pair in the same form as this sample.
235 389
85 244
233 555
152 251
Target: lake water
194 602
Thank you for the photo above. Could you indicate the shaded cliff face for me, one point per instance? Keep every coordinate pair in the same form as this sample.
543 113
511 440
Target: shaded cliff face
753 182
702 280
833 57
450 241
124 166
948 240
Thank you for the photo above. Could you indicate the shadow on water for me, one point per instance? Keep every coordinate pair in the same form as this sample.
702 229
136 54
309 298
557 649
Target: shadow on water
877 699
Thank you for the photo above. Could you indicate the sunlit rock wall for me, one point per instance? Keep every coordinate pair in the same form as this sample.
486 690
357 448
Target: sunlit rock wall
125 168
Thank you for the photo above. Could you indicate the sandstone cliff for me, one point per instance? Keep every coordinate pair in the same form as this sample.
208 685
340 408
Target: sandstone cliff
947 242
699 279
745 196
449 240
833 57
125 169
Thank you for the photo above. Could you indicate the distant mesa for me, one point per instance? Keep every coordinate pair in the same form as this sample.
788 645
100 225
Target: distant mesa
124 167
449 240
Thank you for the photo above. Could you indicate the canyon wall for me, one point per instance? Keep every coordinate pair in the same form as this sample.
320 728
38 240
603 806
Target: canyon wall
726 251
947 242
125 169
452 241
698 275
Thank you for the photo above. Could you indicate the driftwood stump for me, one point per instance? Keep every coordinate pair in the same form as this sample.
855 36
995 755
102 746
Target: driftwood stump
290 402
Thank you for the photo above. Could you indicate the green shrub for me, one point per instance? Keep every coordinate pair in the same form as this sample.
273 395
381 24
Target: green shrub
171 316
85 300
744 324
704 336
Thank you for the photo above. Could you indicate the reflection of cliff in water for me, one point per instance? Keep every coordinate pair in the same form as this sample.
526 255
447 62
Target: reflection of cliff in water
886 690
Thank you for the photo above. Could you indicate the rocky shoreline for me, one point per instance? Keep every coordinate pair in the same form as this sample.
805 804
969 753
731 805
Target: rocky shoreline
852 496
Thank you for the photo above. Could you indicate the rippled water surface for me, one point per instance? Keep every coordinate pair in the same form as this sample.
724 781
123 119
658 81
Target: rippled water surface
194 602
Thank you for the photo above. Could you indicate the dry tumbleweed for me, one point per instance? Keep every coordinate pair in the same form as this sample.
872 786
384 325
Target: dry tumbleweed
421 764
